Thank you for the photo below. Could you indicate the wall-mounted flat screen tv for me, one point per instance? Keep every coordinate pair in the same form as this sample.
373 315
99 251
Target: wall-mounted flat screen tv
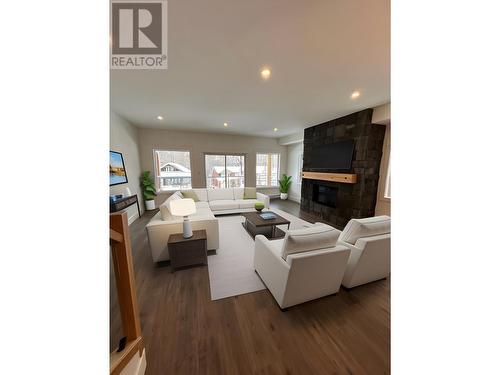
117 173
335 156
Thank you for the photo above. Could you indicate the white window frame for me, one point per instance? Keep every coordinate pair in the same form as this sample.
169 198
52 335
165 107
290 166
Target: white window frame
387 194
301 164
156 167
279 169
225 154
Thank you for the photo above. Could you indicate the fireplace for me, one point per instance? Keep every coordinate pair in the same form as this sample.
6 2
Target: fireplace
333 201
325 195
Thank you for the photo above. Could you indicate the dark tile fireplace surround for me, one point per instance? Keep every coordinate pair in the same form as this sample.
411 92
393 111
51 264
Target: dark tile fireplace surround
337 202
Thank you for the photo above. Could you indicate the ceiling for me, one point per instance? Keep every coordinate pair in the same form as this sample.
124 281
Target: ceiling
319 52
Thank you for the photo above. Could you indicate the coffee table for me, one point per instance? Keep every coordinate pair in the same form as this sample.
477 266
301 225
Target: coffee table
255 225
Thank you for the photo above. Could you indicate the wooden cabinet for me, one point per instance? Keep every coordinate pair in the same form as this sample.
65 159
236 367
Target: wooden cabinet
187 251
122 203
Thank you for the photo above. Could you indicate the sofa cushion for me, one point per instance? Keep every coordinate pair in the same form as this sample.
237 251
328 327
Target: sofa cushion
238 193
201 204
370 226
165 206
220 194
223 204
246 203
202 214
250 193
190 194
201 194
319 236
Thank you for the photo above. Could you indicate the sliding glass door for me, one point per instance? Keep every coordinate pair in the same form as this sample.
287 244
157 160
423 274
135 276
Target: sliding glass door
223 171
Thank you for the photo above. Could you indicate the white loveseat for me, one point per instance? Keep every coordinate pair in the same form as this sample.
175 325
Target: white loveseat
305 265
210 202
369 241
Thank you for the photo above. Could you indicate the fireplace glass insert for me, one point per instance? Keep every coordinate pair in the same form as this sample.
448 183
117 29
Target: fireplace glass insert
326 195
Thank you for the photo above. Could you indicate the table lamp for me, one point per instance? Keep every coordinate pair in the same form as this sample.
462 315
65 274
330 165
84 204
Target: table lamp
184 207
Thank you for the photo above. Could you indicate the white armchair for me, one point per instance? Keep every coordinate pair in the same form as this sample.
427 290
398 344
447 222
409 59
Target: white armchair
305 265
369 241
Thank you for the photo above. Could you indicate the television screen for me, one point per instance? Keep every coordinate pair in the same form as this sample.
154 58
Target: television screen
335 156
117 173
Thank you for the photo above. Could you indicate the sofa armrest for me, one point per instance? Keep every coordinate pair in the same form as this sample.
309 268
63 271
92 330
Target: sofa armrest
159 232
264 199
271 267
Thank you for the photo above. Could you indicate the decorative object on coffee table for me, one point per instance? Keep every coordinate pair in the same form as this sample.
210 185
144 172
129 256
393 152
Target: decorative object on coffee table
285 183
187 251
267 216
259 206
255 225
184 207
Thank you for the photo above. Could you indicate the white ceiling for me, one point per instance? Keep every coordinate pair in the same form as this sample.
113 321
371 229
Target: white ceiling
319 52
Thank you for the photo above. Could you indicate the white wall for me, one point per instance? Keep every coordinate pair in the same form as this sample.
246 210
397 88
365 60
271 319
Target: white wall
124 138
199 143
382 114
294 155
291 139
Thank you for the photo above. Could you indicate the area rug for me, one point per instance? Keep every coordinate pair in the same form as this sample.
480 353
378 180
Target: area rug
231 270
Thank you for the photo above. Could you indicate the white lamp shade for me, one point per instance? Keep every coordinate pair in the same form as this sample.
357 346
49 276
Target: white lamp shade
182 207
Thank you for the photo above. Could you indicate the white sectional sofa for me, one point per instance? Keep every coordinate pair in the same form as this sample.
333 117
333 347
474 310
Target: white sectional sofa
210 202
229 201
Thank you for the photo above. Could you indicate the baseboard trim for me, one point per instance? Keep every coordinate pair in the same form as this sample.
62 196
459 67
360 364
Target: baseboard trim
295 199
133 218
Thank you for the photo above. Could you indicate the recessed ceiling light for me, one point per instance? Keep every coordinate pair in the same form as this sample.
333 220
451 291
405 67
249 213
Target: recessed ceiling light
355 95
265 73
226 125
275 129
160 118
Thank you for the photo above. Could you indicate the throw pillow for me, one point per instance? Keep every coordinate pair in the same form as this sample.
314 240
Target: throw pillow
190 194
250 193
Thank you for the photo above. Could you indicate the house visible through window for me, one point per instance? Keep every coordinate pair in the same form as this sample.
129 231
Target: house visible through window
267 169
173 169
223 171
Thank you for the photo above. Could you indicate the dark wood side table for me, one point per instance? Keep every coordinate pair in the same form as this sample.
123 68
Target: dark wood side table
187 251
122 203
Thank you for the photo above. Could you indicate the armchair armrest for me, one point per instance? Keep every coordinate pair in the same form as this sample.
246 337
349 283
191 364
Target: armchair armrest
264 199
352 262
369 260
271 267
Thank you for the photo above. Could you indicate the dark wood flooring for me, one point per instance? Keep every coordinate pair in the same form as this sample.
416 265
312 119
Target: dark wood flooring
187 333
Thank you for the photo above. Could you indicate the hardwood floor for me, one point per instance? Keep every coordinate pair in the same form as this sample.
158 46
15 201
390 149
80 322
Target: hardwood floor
187 333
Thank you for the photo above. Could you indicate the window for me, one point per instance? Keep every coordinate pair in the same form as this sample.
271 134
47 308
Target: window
387 192
267 169
223 171
301 163
173 169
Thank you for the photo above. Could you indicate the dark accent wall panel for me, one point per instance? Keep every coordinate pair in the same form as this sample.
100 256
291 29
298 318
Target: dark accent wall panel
353 200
